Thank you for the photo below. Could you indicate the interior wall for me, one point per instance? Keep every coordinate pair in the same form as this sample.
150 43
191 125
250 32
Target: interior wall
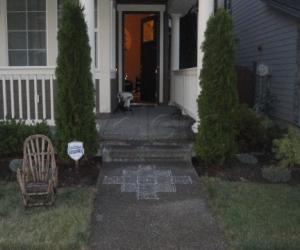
132 56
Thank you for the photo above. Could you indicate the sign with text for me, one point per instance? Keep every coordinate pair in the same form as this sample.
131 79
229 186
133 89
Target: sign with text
75 150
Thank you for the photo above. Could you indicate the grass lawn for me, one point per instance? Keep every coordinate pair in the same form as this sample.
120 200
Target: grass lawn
257 216
63 226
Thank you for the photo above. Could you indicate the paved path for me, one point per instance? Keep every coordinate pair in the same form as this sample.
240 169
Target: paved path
152 206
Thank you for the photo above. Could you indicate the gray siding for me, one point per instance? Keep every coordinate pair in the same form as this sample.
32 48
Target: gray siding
257 24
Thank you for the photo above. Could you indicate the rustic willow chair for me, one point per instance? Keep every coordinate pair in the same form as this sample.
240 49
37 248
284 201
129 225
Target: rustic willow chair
38 176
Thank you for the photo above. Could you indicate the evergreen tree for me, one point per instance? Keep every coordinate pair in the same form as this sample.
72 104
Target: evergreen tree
75 118
218 100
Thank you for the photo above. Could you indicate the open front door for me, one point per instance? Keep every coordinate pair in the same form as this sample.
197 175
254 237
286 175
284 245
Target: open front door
149 59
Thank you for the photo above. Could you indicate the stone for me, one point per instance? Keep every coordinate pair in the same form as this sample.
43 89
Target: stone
15 164
247 159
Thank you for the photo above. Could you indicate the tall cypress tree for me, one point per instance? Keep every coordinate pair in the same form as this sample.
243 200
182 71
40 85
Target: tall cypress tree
75 118
218 100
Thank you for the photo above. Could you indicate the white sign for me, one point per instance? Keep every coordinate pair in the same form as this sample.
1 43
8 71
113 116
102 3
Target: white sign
262 70
75 150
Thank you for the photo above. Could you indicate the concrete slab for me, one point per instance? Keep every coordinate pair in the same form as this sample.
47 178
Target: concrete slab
152 206
145 123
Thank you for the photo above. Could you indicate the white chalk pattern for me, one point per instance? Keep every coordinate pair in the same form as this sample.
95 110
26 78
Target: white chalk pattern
147 182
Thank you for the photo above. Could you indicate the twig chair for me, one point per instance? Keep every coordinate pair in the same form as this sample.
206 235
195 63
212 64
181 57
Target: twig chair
38 176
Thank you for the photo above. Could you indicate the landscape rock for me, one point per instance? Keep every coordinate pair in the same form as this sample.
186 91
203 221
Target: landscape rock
247 159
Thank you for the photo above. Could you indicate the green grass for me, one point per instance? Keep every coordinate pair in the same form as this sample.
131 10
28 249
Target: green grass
63 226
257 216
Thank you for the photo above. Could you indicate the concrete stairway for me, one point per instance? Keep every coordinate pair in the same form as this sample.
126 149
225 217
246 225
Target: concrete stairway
145 152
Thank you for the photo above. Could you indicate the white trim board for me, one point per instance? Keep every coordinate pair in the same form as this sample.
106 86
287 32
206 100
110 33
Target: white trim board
142 8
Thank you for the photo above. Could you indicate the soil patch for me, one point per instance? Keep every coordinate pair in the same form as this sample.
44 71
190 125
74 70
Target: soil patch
236 171
87 174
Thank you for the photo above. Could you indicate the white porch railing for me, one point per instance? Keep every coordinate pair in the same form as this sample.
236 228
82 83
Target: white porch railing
27 93
185 90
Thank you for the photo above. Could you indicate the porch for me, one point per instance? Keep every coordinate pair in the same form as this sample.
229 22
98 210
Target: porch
146 123
27 87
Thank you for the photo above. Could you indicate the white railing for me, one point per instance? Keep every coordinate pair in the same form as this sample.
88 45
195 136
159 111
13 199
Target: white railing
185 90
27 94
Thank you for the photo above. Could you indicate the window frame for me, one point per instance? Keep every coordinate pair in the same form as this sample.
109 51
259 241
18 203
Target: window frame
27 31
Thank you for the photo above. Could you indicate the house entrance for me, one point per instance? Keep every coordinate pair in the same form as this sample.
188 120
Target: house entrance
141 56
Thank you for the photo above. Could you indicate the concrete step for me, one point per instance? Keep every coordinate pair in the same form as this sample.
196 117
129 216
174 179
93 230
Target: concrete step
147 153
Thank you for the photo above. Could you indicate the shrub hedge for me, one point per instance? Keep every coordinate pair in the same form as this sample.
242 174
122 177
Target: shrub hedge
13 133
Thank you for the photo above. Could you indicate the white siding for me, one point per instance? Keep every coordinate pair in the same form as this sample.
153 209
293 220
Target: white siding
257 24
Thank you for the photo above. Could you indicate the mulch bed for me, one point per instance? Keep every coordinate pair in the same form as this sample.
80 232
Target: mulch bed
87 174
236 171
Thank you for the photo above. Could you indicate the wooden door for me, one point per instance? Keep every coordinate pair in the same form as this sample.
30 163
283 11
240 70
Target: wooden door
150 59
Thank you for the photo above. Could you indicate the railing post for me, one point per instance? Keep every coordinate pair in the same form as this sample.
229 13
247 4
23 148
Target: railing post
20 98
35 99
4 97
44 97
12 98
28 98
51 99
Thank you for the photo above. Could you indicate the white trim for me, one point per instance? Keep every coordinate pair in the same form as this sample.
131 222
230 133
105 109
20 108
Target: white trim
52 23
190 71
27 70
3 32
142 8
113 39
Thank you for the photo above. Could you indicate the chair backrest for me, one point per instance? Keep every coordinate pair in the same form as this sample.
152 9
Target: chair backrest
39 158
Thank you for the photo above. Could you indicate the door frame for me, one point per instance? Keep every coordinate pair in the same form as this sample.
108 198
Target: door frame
142 8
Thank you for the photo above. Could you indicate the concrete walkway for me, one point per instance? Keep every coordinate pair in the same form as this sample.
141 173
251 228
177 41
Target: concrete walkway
152 206
149 195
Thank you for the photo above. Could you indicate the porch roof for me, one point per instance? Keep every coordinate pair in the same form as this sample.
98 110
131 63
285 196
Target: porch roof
142 1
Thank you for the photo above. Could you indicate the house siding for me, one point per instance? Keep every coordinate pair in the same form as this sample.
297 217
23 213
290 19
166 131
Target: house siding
259 25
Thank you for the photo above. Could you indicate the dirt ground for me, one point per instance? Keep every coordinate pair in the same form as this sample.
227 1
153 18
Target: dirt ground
236 171
67 175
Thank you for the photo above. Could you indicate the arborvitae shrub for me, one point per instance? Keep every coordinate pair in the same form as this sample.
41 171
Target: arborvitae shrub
218 100
75 118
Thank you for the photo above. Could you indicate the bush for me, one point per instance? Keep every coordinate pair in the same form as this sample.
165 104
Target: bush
13 133
215 142
287 149
75 118
277 174
255 133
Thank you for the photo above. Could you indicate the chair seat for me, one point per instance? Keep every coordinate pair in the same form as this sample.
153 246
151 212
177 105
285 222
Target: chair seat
36 187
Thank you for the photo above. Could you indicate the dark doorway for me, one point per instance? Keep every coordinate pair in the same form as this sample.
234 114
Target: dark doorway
141 56
149 59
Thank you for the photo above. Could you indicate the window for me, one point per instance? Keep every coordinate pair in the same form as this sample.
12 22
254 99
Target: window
228 5
188 39
26 25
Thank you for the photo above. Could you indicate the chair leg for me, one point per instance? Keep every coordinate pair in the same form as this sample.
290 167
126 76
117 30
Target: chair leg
25 200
